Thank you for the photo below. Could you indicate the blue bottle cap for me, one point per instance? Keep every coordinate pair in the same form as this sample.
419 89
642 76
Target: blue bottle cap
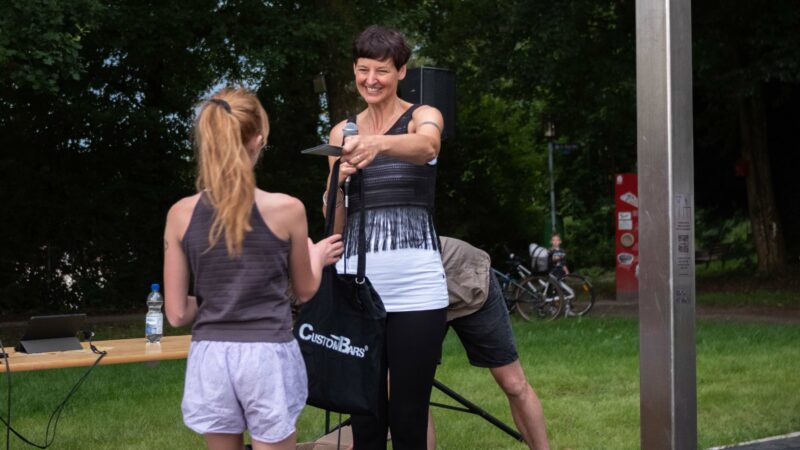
155 287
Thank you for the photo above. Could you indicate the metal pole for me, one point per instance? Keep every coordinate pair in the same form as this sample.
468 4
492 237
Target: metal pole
667 369
552 188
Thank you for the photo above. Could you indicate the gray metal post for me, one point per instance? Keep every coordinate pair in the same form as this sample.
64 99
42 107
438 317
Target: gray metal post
666 225
552 188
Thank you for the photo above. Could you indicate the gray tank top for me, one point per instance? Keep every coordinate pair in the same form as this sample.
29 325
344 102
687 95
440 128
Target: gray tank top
242 299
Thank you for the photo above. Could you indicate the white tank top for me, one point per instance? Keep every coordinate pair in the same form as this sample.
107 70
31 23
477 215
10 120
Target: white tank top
407 279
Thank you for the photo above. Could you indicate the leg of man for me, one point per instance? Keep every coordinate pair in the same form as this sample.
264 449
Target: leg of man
526 409
488 340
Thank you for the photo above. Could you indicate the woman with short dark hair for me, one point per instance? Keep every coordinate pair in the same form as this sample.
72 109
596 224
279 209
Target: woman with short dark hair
396 149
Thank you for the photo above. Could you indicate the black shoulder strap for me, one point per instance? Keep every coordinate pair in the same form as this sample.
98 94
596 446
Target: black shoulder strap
361 271
401 126
333 189
410 111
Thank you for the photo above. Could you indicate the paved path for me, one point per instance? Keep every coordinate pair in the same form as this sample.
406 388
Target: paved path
614 308
786 442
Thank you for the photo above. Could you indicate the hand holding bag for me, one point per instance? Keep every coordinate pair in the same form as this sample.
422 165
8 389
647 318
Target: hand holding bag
341 331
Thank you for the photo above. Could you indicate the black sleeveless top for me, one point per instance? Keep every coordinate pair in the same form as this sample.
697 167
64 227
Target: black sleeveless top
242 299
399 201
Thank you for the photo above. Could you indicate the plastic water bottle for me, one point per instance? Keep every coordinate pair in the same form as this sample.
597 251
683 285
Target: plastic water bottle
154 321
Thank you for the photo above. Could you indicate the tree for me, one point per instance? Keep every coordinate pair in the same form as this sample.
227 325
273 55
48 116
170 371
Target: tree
101 150
572 64
741 48
100 100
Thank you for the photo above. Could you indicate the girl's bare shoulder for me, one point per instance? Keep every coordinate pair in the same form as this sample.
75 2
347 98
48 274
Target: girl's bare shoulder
182 209
281 212
276 202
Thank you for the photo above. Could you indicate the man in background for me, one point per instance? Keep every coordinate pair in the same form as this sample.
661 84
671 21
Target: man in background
479 316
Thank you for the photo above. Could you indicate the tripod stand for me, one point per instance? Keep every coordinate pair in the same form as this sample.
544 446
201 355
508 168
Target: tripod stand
466 406
472 408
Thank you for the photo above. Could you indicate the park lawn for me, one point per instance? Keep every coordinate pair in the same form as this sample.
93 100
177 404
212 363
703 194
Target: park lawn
584 370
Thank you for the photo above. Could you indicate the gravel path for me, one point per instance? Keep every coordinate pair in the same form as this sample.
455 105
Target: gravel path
613 308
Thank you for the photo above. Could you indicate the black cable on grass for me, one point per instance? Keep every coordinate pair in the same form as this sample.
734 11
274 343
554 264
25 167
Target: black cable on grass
56 414
8 399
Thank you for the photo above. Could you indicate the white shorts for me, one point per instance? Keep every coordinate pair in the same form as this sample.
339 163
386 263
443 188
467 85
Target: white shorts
233 386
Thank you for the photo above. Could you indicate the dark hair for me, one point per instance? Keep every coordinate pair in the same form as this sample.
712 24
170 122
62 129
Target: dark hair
377 42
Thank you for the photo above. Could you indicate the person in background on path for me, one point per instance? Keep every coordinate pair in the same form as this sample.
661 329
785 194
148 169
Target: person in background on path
243 245
558 258
479 316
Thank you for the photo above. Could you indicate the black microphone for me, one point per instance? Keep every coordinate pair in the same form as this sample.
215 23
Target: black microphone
350 129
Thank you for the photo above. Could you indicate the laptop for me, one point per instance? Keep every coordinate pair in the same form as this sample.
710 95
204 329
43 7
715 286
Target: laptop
52 333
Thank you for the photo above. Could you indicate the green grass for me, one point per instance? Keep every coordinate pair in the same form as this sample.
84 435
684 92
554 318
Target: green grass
585 372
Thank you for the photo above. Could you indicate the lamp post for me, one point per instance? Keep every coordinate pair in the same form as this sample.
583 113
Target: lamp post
550 133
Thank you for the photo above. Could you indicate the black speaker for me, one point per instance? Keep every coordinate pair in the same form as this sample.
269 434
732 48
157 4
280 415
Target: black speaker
434 87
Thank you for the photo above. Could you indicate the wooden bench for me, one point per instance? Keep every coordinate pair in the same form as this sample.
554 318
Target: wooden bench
716 252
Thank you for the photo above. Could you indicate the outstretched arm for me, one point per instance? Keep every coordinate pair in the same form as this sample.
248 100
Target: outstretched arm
420 146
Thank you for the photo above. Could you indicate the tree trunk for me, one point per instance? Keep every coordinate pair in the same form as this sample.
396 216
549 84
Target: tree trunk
766 227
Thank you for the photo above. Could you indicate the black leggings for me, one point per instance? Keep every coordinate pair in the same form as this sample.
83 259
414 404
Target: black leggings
413 349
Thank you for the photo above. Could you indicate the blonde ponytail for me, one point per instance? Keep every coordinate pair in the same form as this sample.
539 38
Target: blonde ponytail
226 124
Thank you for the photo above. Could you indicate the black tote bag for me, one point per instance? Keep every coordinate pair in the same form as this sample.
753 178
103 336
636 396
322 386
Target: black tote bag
341 332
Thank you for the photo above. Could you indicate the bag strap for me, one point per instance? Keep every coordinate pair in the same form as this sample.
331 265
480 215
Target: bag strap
361 271
333 190
361 245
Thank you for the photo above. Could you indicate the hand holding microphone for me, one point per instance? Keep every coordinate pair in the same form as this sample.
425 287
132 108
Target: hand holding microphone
360 151
350 129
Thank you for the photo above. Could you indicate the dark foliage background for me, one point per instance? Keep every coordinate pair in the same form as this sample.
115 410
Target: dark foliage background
97 100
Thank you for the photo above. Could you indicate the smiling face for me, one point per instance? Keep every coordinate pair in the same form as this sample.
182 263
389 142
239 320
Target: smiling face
377 80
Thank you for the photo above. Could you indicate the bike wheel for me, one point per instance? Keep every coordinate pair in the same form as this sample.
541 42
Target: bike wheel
579 295
524 300
544 300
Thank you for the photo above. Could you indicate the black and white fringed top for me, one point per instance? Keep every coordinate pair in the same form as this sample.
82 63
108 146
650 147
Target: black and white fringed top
403 260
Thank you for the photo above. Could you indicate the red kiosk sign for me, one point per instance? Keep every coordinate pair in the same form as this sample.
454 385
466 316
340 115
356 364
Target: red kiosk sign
626 217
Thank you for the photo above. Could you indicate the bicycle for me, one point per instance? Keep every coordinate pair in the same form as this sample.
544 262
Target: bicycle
532 295
579 295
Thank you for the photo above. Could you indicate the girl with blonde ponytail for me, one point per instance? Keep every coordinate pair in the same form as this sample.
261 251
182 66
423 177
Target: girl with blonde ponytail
242 245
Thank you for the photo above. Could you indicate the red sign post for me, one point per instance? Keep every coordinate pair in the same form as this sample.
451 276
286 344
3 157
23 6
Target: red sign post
626 217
